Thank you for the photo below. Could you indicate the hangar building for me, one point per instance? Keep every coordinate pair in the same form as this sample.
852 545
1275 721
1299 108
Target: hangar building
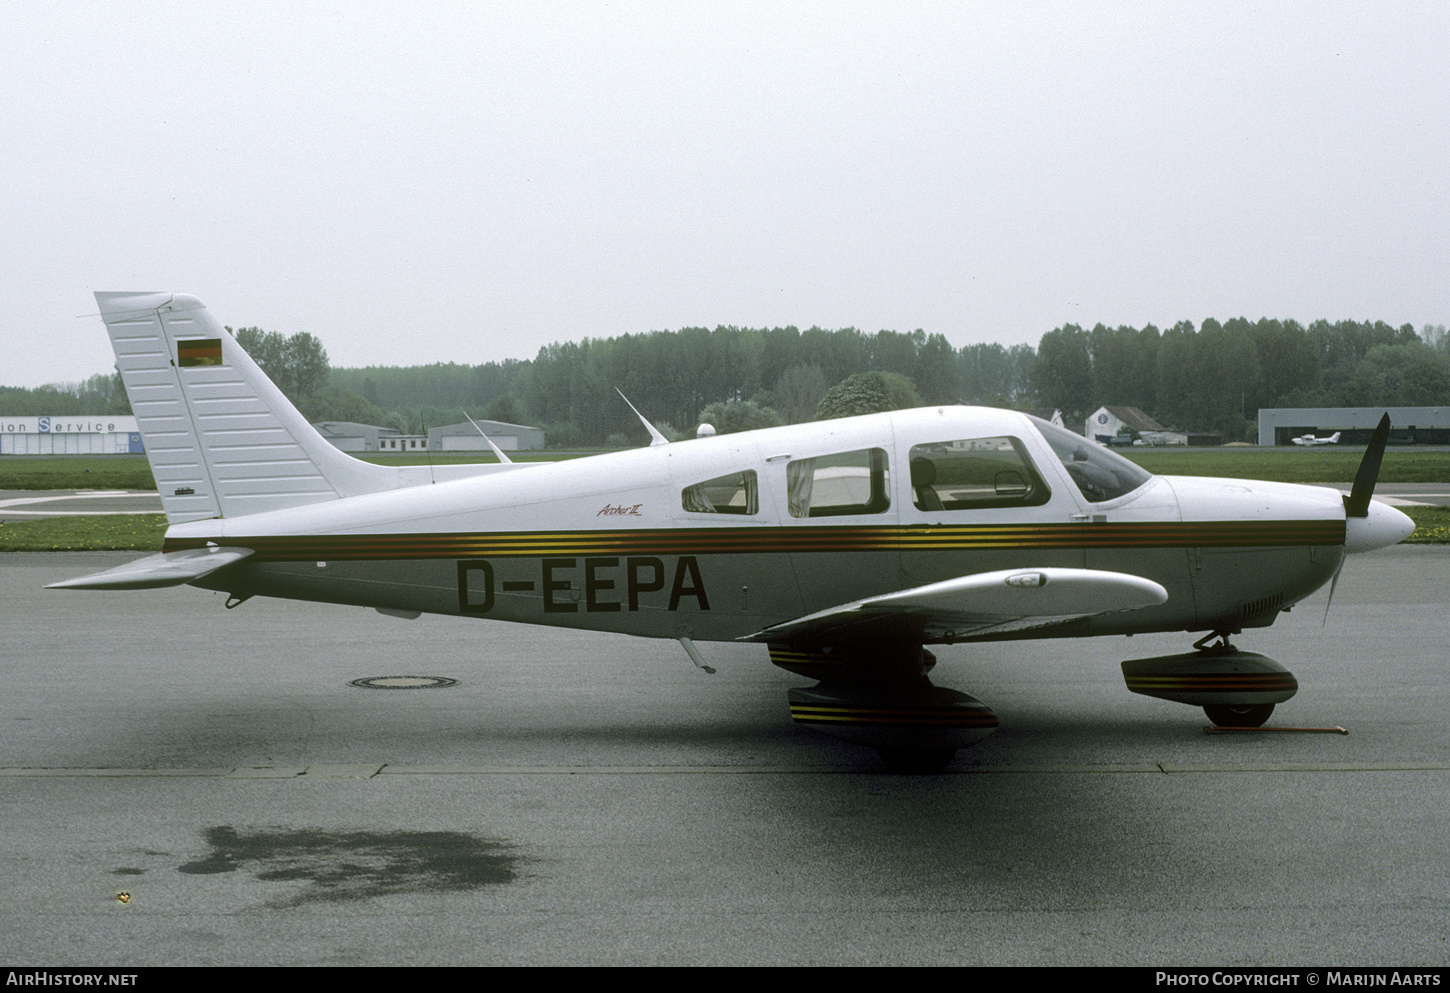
465 437
350 436
1104 424
1408 425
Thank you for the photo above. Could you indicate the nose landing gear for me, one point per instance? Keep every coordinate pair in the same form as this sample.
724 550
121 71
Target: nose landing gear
1234 688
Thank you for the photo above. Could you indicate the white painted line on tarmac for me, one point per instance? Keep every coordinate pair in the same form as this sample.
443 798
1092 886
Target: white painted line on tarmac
12 506
1387 500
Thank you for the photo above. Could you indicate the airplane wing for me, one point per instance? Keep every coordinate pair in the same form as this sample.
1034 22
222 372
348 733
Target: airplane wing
988 603
165 569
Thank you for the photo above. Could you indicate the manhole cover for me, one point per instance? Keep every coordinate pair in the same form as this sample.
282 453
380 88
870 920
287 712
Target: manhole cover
402 682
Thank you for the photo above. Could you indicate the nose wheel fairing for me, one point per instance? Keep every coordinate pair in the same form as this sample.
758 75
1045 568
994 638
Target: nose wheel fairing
1234 688
1220 676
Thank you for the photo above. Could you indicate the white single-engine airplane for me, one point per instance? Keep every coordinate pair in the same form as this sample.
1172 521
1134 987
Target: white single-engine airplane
845 546
1309 440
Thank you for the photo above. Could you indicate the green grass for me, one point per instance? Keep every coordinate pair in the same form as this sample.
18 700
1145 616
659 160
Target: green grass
1432 525
76 472
143 532
88 533
1286 465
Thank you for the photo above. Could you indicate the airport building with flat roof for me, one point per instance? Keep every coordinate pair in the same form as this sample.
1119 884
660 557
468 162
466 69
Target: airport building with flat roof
353 437
101 434
1408 425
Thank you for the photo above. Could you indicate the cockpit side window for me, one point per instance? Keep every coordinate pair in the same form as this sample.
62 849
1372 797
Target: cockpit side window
833 485
736 493
1101 475
975 473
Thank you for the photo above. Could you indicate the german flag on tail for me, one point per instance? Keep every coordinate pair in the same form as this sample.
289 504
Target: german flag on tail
199 351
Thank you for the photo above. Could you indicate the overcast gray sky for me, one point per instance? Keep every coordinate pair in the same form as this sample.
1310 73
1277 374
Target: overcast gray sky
421 182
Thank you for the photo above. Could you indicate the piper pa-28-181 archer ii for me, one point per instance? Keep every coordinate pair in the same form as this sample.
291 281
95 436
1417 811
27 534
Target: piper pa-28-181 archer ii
844 546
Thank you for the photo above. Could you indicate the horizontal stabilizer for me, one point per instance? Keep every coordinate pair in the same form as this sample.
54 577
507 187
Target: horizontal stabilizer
165 569
984 603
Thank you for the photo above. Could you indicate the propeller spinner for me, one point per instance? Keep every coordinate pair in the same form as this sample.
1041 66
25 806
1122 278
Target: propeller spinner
1369 525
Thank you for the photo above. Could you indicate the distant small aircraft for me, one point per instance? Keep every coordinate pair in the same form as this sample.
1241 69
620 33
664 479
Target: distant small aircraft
1310 440
844 546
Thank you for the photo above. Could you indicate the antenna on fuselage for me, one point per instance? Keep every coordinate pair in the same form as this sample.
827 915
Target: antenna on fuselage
496 450
654 433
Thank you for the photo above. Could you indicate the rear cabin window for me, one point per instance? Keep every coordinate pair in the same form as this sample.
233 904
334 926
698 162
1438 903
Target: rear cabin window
856 482
736 493
974 473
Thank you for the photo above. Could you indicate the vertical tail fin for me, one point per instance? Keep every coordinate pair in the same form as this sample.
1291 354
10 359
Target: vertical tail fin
222 439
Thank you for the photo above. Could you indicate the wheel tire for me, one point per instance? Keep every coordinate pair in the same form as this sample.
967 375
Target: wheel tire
916 761
1239 715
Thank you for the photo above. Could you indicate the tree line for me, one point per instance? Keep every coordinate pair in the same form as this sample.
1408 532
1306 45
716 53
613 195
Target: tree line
1208 378
1216 377
1213 377
742 376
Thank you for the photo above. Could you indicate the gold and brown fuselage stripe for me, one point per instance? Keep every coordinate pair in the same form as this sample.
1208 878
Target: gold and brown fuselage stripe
737 541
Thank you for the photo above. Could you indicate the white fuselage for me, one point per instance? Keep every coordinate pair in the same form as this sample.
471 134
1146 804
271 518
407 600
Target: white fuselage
632 541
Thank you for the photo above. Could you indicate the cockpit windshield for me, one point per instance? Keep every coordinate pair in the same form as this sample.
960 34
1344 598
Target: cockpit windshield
1101 474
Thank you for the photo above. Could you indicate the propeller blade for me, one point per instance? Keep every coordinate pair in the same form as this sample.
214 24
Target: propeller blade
1332 584
1357 503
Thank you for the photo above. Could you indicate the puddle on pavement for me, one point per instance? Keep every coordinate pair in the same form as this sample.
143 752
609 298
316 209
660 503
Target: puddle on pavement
358 865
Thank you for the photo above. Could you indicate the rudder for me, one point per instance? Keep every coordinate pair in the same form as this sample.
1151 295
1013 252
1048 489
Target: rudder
223 441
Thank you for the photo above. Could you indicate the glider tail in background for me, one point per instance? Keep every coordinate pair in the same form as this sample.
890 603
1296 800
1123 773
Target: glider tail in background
222 439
